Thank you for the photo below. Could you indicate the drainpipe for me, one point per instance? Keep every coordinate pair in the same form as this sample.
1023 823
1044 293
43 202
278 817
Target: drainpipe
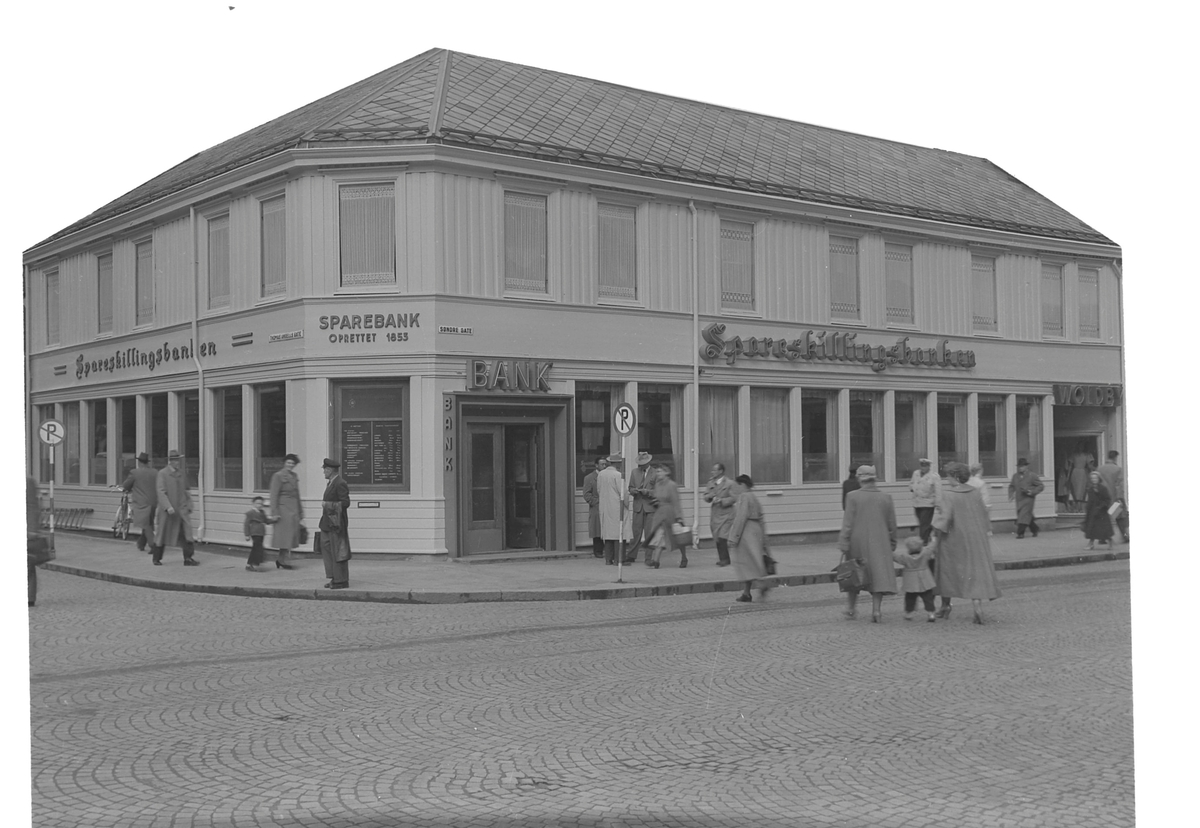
198 529
695 430
1116 266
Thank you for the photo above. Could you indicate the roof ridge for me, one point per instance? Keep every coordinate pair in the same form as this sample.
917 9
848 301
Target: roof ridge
439 96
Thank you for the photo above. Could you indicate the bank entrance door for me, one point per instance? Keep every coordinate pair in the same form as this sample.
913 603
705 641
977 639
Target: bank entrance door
504 470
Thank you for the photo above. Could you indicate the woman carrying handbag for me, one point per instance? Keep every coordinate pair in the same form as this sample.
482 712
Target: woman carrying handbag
869 537
667 518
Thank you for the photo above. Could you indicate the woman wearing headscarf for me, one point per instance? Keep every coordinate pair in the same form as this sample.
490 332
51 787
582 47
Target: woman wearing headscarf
960 541
869 535
748 539
287 508
1097 526
666 514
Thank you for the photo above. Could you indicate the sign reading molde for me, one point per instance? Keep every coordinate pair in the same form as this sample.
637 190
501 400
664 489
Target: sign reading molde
508 375
1107 396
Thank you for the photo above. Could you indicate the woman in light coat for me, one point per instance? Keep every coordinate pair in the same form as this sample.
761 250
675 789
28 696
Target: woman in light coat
287 508
748 540
667 513
964 553
869 535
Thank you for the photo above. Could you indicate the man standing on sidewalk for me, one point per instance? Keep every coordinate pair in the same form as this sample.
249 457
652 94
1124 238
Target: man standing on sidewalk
610 488
174 510
643 505
335 537
142 485
591 497
720 493
1024 488
926 488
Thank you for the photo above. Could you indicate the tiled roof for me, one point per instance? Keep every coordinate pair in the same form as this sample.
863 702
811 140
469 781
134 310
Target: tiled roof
520 110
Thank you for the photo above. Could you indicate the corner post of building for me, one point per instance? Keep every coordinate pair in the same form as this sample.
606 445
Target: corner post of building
1010 434
931 429
1047 445
889 435
844 456
795 397
249 439
972 428
315 407
745 455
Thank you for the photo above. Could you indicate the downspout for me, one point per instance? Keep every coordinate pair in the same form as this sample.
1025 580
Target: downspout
695 429
198 530
1116 266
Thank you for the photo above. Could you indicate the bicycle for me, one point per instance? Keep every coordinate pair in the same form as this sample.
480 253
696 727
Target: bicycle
123 518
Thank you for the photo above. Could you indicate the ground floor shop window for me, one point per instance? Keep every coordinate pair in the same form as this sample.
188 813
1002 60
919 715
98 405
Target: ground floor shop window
818 449
156 436
124 442
71 453
98 432
770 430
227 438
992 434
189 435
951 429
866 430
660 426
594 403
371 433
270 434
718 427
910 432
1029 431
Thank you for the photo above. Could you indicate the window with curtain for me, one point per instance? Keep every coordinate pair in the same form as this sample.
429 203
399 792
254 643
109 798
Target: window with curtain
1089 303
594 403
993 444
866 430
104 293
227 438
737 265
368 234
951 429
143 282
273 240
1052 300
770 432
189 435
660 425
618 251
371 427
270 437
44 413
911 442
218 261
156 429
898 274
718 428
98 442
525 243
124 442
71 446
53 321
843 277
1029 431
818 434
983 294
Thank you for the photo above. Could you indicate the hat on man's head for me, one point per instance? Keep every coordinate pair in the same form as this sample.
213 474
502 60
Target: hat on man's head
615 458
924 461
644 457
866 472
143 458
1022 462
330 464
174 454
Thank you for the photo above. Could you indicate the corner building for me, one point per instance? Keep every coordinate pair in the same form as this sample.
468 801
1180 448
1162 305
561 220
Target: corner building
448 276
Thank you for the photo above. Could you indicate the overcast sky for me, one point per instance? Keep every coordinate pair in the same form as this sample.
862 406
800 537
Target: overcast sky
1089 104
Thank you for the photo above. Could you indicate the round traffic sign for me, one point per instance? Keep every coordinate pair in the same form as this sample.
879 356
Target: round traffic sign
625 419
51 432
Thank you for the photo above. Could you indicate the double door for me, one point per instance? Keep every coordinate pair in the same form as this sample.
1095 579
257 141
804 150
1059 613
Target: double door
504 474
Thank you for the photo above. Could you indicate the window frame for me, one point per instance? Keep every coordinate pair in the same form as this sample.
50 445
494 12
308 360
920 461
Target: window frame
138 322
1062 298
638 299
280 293
393 286
53 309
911 323
1080 270
220 454
751 308
525 190
99 257
978 328
835 232
336 389
213 304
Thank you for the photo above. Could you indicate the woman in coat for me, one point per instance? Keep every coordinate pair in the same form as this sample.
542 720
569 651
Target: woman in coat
869 535
1096 524
748 539
287 508
666 514
960 541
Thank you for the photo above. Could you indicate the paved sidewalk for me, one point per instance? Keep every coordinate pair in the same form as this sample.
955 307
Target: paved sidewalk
582 577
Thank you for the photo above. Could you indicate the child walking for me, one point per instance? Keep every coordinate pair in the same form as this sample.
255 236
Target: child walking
255 528
918 581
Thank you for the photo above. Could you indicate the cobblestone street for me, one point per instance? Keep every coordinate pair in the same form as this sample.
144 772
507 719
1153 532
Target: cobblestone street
154 708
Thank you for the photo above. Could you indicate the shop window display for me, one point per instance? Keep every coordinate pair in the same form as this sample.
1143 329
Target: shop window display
770 436
819 416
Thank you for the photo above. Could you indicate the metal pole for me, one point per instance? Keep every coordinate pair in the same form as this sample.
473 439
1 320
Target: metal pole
52 496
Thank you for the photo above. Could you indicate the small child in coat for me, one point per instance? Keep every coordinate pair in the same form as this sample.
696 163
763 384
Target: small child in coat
255 528
917 579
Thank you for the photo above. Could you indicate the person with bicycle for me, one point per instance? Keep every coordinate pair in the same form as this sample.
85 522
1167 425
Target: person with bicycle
141 485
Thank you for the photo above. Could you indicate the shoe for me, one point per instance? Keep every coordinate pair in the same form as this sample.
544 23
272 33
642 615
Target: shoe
610 563
1091 545
978 618
908 616
655 564
932 617
944 612
683 564
1020 536
597 554
339 586
744 598
279 565
849 614
250 568
190 562
157 563
875 617
723 563
762 593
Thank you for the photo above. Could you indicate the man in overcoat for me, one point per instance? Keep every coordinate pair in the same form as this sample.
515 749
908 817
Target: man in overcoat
335 538
642 492
1024 488
592 498
142 485
174 525
610 490
722 494
1114 478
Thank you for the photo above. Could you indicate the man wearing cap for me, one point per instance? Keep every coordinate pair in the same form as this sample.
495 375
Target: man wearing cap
642 491
926 488
592 498
1024 488
142 485
335 539
610 489
174 510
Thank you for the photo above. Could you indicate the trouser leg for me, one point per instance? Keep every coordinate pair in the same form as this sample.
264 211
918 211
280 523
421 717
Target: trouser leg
598 547
927 599
910 600
1033 527
635 543
327 556
723 550
256 551
924 522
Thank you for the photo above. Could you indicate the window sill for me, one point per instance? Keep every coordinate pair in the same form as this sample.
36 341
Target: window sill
105 335
142 328
743 313
854 323
620 303
988 334
1054 338
533 297
903 326
368 290
270 300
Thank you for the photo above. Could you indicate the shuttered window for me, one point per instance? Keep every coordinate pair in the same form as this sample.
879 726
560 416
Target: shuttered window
1052 300
143 277
618 254
525 242
898 267
218 261
737 265
368 234
274 237
843 277
983 293
104 293
1089 303
52 319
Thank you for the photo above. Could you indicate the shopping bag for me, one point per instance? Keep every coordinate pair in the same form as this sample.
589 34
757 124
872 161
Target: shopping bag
851 574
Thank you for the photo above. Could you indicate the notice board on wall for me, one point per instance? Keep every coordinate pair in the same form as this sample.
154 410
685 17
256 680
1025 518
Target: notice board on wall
373 452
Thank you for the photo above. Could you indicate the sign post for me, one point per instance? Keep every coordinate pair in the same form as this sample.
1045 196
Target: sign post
625 421
51 432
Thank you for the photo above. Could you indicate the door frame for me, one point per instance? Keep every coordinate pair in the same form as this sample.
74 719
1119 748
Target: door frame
540 422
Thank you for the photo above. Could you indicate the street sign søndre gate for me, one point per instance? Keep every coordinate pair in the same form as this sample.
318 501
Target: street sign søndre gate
625 419
51 432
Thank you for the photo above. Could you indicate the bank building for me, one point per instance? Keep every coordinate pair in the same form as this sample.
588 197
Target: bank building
450 274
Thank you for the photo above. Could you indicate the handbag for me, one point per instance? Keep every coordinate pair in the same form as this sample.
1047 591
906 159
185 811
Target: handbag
1115 509
768 562
303 534
851 574
682 535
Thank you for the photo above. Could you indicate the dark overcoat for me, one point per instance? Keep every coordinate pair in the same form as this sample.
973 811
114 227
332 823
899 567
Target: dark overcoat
335 504
591 496
172 491
964 553
1097 525
142 485
1024 488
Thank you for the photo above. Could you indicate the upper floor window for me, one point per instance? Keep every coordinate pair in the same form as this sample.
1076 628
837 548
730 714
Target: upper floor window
143 279
1052 300
104 293
368 234
218 261
1089 303
274 249
52 318
983 293
525 242
898 271
737 265
843 277
618 252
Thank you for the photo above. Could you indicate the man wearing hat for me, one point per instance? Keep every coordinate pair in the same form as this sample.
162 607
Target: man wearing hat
610 490
142 485
174 510
926 488
1024 488
643 506
335 538
592 498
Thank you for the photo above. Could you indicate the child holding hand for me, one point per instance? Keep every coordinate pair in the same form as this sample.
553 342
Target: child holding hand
918 580
255 527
